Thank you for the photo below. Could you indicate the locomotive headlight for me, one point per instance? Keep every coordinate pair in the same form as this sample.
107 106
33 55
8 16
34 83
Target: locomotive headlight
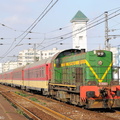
90 94
100 53
100 62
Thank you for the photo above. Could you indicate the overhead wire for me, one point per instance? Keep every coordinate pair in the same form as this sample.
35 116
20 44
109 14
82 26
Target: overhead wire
47 9
9 49
84 29
36 21
62 36
52 30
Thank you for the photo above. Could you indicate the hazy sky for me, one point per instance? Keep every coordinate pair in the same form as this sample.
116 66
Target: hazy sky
18 15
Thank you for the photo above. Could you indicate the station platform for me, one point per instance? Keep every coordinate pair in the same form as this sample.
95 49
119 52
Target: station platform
8 112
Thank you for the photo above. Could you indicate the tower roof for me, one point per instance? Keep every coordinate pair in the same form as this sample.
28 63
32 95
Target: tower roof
79 17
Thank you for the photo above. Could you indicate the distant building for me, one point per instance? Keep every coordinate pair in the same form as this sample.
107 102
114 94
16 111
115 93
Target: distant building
79 23
49 53
116 62
8 66
1 68
29 56
114 50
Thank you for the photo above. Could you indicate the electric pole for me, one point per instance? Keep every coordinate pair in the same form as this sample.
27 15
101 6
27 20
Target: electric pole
107 47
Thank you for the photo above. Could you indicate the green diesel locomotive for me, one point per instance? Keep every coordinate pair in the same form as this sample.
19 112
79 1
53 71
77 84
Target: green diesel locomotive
85 79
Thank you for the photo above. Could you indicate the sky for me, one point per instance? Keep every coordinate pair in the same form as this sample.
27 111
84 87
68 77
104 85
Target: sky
19 15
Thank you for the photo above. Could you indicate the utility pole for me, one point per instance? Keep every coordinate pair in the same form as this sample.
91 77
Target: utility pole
107 47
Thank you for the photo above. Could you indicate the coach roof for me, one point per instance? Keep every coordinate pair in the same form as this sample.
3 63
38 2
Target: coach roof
41 62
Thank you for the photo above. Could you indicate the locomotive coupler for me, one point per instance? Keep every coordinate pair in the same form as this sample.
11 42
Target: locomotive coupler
103 93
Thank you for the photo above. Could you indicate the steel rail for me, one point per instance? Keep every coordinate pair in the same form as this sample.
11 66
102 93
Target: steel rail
117 112
27 112
40 107
51 112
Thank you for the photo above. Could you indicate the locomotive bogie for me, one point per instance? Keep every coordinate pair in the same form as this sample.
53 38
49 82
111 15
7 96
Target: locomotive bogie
65 95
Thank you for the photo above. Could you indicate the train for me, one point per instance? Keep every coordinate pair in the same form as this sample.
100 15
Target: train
73 76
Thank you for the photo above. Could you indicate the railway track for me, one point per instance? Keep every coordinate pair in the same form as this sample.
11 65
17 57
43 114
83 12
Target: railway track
115 114
34 110
62 111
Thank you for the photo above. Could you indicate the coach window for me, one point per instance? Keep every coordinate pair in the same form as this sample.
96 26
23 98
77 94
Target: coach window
42 72
17 75
32 73
39 72
27 74
58 62
37 75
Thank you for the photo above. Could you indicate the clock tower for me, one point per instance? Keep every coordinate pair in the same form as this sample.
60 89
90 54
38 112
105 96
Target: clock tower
79 24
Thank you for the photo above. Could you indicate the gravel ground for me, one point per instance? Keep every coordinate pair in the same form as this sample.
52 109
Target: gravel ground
75 113
8 112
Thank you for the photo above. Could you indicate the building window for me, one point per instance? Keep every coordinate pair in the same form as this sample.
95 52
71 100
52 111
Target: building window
51 53
80 38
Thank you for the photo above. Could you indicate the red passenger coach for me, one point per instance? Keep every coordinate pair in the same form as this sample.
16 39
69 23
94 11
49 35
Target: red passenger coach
17 76
37 75
6 77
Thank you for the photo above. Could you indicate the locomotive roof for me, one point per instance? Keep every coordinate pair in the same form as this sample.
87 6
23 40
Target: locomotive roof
44 61
66 52
51 59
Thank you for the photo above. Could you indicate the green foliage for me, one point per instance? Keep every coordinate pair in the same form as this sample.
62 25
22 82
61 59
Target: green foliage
21 94
34 99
